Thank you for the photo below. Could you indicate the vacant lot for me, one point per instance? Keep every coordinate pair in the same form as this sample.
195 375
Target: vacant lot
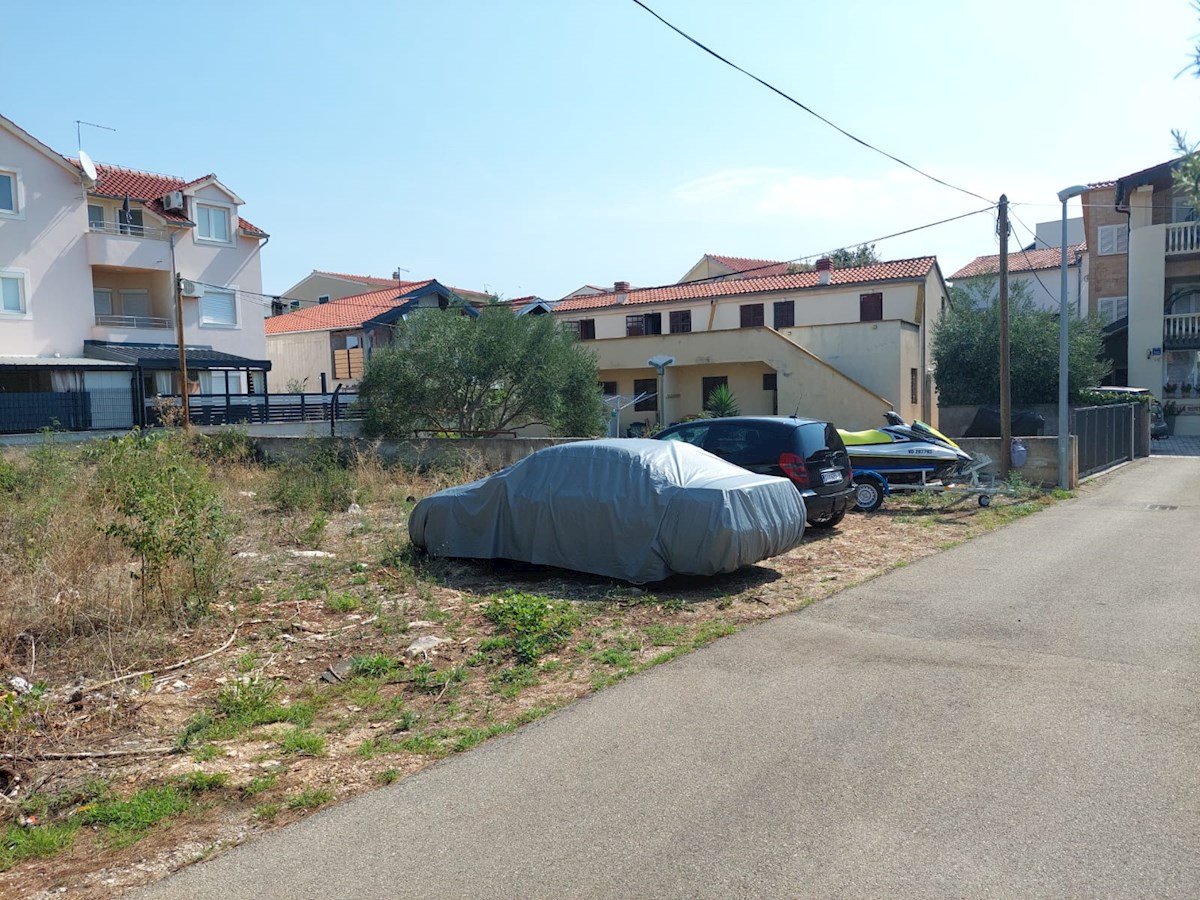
196 647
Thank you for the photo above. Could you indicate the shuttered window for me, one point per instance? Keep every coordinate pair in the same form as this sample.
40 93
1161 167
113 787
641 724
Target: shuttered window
785 313
751 315
870 307
218 307
1113 239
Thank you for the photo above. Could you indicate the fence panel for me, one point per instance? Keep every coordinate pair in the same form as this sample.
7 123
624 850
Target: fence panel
1105 435
245 409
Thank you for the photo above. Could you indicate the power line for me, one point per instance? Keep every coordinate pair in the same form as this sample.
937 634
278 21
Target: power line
807 109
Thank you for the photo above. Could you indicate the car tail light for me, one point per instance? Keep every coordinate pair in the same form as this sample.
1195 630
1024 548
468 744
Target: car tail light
794 468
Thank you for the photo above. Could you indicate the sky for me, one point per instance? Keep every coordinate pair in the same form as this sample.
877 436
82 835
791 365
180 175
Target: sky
532 146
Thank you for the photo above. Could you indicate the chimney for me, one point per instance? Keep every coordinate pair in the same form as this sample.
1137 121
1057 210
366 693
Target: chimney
621 289
824 270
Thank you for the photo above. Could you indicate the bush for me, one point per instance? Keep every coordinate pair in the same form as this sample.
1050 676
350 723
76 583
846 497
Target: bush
316 481
536 624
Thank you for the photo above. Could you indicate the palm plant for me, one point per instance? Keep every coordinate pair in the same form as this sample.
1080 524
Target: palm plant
721 402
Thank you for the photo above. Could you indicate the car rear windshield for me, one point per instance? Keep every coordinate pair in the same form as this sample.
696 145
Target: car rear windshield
818 438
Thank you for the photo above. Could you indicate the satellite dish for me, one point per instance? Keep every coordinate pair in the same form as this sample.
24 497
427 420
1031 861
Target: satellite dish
89 169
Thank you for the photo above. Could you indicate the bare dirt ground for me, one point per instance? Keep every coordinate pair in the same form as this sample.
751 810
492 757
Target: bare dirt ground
306 687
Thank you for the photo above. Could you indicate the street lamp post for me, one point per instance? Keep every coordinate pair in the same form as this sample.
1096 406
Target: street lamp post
1064 427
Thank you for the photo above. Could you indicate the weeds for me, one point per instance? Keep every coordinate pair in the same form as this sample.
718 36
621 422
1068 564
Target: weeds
19 844
127 821
536 624
309 798
302 742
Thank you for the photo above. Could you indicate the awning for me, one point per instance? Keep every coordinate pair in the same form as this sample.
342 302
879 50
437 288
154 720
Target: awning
61 362
166 356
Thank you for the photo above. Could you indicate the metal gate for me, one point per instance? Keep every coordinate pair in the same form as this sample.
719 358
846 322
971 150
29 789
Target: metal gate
1104 435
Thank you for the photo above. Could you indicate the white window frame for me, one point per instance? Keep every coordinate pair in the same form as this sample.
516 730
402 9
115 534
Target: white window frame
222 208
1117 237
22 276
92 223
109 293
237 319
322 299
1118 308
18 191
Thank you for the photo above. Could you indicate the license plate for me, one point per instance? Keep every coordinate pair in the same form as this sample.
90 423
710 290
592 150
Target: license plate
831 476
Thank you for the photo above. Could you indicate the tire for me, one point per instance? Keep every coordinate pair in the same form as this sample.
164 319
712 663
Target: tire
828 521
985 500
868 495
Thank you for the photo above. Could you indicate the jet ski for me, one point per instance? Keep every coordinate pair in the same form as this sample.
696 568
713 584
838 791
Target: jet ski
905 453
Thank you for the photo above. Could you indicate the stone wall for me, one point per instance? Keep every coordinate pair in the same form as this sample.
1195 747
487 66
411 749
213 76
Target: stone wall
1041 464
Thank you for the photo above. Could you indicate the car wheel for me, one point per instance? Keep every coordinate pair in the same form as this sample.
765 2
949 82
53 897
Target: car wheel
868 495
829 520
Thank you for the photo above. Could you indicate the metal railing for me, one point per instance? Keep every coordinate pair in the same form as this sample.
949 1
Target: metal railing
134 321
140 231
1104 435
1185 327
236 409
1183 237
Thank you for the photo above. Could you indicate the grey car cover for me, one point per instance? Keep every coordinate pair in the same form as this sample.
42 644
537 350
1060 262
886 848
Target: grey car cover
639 510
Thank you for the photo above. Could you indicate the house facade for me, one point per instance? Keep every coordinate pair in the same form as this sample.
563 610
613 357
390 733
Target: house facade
319 348
1038 270
838 344
88 274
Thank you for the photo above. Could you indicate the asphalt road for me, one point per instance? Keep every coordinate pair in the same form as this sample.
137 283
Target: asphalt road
1016 717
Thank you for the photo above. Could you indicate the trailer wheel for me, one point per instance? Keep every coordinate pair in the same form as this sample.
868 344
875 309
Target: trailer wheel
985 500
868 495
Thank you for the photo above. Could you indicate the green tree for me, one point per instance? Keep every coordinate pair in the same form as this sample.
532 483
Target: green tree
966 348
1187 173
446 371
848 258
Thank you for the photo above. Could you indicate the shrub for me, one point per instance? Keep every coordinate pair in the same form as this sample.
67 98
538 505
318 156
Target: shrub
536 624
316 481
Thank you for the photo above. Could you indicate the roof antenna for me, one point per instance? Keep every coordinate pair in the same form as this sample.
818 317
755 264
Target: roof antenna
85 162
396 273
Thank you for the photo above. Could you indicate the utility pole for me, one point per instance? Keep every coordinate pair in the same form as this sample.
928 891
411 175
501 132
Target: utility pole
1005 386
183 373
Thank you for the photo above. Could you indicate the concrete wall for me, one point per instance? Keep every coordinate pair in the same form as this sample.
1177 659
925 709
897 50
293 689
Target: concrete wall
490 454
318 285
1041 465
300 355
1106 275
1147 274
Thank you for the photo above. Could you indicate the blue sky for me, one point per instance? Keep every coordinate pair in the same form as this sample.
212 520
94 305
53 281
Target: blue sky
530 146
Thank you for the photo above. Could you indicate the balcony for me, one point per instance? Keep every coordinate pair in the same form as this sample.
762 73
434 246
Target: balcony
128 246
127 322
1182 332
1183 238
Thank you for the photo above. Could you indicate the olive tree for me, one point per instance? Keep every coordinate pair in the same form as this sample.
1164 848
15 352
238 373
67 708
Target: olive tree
445 371
966 348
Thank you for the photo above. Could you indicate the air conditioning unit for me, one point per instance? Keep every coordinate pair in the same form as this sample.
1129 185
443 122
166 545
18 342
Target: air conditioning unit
189 288
172 201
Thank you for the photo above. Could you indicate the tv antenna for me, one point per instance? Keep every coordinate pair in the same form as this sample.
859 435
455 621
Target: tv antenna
396 273
85 162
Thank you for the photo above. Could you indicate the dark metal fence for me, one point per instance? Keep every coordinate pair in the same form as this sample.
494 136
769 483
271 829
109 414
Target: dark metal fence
24 412
244 409
1104 435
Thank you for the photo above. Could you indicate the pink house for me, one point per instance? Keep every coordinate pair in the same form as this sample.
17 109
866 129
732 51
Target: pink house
89 268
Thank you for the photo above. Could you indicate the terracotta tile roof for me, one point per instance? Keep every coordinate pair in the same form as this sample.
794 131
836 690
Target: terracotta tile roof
760 267
148 188
894 270
1095 185
347 312
364 279
1020 261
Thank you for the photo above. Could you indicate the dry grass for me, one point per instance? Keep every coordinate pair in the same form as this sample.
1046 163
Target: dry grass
272 740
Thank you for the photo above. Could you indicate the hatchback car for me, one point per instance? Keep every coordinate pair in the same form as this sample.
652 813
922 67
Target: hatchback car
808 452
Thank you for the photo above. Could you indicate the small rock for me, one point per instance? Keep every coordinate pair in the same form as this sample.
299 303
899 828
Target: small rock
422 645
248 554
337 672
354 509
422 623
180 686
19 684
312 554
247 493
270 764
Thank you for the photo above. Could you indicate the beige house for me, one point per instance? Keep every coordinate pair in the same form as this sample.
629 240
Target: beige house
838 344
89 261
1145 273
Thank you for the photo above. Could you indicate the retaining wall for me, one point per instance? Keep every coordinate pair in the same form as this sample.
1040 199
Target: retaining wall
1041 464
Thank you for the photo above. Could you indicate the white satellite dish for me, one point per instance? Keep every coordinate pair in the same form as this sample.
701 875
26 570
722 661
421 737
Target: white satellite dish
89 169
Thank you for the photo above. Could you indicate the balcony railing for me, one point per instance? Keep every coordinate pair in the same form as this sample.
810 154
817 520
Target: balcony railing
133 321
1182 329
141 231
1183 237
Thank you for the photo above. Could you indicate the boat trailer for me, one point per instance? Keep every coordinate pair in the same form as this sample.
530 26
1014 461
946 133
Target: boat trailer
871 487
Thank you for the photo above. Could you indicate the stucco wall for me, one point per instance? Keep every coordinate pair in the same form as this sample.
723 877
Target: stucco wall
46 240
314 286
301 355
1107 275
1147 271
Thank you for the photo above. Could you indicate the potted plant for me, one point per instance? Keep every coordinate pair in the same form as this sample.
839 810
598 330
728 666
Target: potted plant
1185 389
1169 389
1170 411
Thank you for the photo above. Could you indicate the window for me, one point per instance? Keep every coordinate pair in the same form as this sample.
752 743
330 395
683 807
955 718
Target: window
752 316
293 306
8 192
649 387
102 300
135 303
218 307
1112 308
1182 209
95 217
587 329
12 294
681 321
870 307
785 313
608 388
710 384
647 323
212 223
770 381
1113 239
324 298
912 385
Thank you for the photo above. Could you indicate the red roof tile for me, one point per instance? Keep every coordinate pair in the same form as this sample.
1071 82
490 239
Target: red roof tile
1020 261
148 188
759 267
364 279
346 312
919 267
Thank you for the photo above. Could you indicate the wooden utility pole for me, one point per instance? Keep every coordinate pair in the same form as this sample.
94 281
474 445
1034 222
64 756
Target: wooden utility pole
1005 386
183 373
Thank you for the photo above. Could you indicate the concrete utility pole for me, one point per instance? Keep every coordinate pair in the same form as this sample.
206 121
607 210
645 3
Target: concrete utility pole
1005 386
183 375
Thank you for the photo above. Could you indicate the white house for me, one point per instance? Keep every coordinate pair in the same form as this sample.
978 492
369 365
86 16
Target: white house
1039 270
90 257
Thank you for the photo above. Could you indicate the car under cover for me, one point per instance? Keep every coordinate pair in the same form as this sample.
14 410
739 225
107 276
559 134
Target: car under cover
638 510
